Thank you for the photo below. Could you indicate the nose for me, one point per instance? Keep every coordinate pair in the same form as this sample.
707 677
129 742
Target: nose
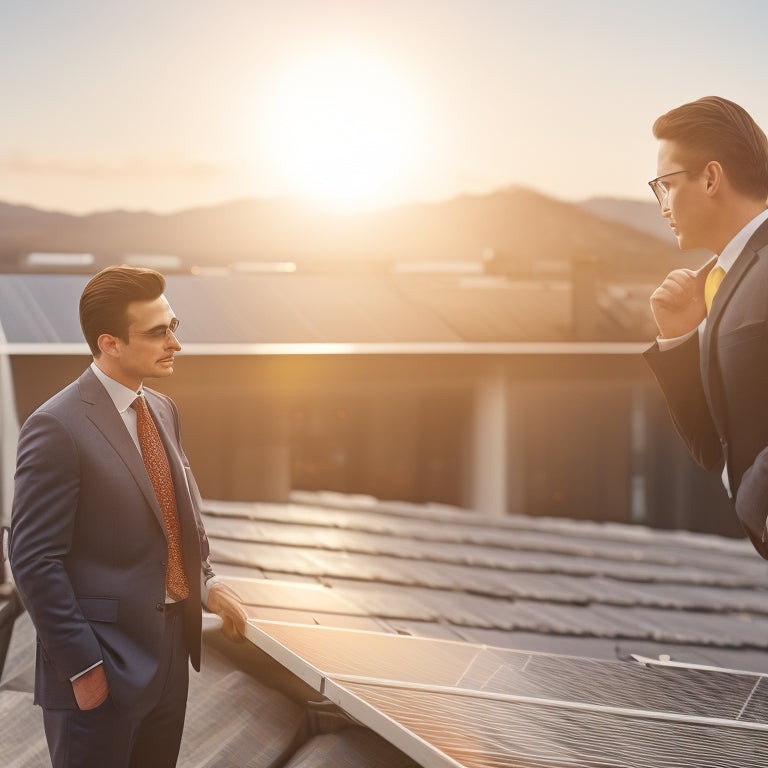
171 341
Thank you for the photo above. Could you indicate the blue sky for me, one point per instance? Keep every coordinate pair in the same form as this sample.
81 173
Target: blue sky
160 106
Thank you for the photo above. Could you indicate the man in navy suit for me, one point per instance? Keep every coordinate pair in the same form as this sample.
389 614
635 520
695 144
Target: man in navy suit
711 356
90 547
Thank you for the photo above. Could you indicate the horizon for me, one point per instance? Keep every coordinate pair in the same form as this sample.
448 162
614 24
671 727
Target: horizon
318 208
353 106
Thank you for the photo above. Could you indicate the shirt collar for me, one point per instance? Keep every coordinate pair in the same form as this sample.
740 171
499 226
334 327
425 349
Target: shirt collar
121 395
731 251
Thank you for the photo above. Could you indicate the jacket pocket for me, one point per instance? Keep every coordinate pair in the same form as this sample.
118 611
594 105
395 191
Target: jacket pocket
99 608
742 334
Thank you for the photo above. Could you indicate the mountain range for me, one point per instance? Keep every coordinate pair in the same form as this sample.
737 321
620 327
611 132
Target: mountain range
509 227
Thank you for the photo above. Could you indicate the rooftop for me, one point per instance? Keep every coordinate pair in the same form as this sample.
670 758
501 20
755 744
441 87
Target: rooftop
326 309
430 635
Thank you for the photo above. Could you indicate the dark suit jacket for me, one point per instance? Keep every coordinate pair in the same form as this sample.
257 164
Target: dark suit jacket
88 547
716 387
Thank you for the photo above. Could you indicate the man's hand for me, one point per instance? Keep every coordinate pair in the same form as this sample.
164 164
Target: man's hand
224 601
678 303
91 689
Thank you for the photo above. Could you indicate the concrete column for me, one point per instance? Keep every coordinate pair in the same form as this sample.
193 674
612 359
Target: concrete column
489 459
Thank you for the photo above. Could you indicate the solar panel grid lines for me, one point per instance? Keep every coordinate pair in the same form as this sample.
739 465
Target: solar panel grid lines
475 667
485 706
480 732
545 701
749 699
694 692
756 709
423 750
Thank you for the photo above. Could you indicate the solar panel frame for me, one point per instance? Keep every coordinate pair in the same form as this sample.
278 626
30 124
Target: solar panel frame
675 715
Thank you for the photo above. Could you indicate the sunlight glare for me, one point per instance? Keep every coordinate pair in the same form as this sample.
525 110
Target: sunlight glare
343 130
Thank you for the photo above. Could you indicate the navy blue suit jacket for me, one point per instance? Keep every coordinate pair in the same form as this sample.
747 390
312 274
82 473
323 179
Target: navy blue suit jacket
716 386
88 547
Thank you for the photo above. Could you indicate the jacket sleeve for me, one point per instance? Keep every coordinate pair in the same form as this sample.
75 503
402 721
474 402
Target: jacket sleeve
42 523
678 373
752 502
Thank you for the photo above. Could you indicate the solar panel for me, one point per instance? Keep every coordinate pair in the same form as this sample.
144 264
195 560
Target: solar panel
447 703
479 732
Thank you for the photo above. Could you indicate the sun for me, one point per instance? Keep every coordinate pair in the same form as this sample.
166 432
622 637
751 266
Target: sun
342 129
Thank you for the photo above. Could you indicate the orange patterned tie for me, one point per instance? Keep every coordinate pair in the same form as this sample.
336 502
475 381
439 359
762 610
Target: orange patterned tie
156 463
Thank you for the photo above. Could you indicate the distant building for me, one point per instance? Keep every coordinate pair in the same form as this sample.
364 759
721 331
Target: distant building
51 262
419 389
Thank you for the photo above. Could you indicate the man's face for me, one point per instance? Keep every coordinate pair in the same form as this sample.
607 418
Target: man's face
151 344
686 204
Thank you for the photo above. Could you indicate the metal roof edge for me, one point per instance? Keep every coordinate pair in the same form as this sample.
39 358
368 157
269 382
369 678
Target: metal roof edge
360 348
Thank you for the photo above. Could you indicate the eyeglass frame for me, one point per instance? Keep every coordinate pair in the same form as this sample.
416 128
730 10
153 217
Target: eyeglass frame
161 331
659 190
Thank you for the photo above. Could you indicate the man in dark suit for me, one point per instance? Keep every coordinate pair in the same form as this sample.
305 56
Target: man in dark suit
107 545
711 356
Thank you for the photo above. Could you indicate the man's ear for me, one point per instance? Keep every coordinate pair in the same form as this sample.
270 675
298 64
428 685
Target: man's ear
713 174
108 344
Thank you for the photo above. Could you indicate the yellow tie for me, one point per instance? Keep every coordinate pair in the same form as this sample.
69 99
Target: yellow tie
714 278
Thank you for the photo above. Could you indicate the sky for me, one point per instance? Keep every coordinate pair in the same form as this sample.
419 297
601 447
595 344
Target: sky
161 106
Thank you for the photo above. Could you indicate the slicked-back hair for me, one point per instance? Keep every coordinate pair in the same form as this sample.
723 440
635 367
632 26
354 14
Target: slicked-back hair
104 301
713 128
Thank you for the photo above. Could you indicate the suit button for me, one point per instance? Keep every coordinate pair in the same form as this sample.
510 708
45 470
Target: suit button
159 606
163 563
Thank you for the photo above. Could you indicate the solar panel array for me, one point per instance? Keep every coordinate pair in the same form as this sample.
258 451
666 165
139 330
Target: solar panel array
447 703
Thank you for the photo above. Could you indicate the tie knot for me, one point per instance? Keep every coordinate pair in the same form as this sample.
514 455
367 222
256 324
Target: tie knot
139 404
714 278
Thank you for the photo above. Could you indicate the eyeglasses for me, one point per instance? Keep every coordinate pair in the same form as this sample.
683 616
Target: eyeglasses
660 189
160 331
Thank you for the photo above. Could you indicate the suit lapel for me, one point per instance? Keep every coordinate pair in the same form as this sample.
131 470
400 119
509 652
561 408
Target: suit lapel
104 415
734 277
724 293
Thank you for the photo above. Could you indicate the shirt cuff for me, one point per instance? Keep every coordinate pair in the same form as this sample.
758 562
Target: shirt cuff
80 674
665 344
207 580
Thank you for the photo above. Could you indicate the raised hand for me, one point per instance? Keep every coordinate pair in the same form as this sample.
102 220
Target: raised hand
678 303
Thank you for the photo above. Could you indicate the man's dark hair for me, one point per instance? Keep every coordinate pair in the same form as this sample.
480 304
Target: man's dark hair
104 301
714 128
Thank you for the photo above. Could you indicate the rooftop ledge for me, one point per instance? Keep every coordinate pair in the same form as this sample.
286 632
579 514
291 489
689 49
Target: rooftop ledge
362 348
